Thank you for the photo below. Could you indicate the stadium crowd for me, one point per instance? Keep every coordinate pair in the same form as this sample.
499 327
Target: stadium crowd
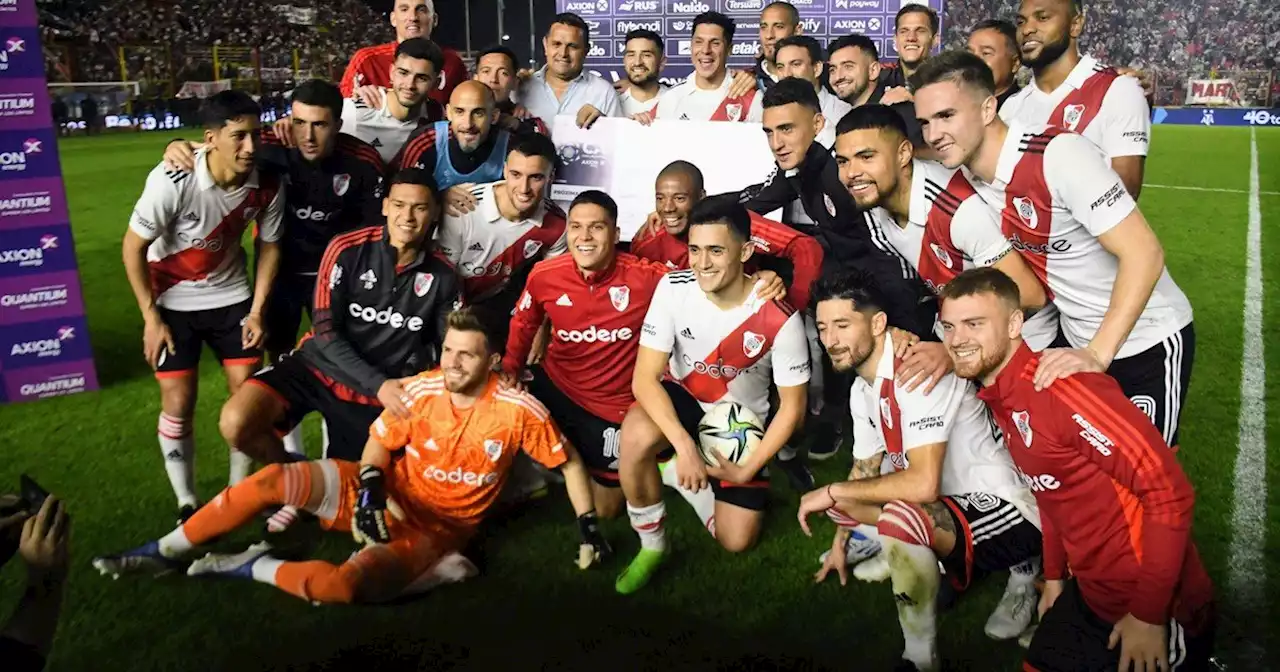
962 283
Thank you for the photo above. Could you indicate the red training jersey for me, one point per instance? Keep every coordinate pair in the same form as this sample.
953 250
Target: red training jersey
1115 505
771 238
595 328
371 66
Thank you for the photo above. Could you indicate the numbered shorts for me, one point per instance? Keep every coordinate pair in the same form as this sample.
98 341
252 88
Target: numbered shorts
992 535
1072 638
754 494
290 296
219 328
302 390
416 544
596 440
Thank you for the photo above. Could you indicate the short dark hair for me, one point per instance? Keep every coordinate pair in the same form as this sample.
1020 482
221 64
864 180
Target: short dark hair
858 287
982 280
226 106
723 209
857 41
597 198
422 49
573 21
914 8
499 49
534 144
792 90
415 176
957 66
803 41
685 169
645 34
1005 28
875 116
491 324
319 93
716 19
780 4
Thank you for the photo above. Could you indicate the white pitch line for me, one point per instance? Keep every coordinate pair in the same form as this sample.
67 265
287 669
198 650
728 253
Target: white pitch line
1215 190
1248 574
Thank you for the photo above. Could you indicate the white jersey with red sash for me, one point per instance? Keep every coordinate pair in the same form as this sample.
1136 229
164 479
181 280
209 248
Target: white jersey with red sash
732 354
889 420
1094 101
687 102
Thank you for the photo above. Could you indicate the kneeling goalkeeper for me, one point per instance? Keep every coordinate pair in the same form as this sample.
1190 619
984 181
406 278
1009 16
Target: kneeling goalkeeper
421 488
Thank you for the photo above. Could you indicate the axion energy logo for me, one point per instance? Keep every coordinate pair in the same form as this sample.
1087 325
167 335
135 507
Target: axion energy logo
20 53
45 342
28 154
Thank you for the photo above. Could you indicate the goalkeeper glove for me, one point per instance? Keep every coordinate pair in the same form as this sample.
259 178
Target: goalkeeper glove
370 525
594 547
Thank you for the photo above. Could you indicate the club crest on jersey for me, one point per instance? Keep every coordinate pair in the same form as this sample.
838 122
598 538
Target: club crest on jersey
620 297
1071 116
1026 211
941 254
886 413
733 111
831 205
531 247
1022 422
493 448
340 183
369 279
422 283
335 276
752 343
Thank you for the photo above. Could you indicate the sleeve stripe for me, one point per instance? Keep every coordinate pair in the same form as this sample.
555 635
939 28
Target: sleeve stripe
336 247
1129 439
525 401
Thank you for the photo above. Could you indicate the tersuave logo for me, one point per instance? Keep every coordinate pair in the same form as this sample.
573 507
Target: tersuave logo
457 475
595 334
386 316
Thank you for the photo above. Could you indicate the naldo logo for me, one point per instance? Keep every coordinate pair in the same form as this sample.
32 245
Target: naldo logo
689 7
596 51
17 161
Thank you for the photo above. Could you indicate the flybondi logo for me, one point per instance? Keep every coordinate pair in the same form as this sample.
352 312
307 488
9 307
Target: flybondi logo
624 26
458 476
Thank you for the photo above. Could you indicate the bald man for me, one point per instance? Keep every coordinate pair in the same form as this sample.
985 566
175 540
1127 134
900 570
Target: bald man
462 152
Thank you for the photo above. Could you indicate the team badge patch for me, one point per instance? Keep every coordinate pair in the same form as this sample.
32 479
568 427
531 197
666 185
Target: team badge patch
531 247
752 343
340 183
941 254
493 448
733 111
1071 116
1026 211
831 205
1022 421
886 413
422 283
620 297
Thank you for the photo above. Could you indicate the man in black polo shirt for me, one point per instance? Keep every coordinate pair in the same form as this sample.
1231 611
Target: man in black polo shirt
381 302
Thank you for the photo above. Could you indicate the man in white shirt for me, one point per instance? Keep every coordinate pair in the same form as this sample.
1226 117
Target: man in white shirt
1077 92
801 56
1070 216
931 480
413 74
643 62
704 96
562 86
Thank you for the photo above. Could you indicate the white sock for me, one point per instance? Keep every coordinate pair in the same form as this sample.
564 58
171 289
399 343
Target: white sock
175 544
914 571
871 532
324 436
1024 573
264 569
241 464
179 451
703 501
647 522
786 452
293 441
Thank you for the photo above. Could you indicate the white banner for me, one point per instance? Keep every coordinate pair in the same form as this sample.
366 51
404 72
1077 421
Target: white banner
622 158
300 16
193 89
1212 92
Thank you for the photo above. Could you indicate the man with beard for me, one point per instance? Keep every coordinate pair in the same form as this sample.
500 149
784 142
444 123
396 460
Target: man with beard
996 43
417 62
915 34
466 150
1124 584
643 62
801 56
368 68
424 482
1069 214
562 86
705 95
1077 92
853 67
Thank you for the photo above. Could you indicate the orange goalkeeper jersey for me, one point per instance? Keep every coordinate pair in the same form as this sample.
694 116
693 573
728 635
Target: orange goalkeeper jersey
449 464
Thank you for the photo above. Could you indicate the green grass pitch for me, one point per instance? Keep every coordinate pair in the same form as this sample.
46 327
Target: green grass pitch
707 610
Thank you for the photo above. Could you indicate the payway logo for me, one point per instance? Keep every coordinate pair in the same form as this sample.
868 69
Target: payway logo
17 161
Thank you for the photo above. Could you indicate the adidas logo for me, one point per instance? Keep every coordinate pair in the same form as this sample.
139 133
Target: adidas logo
191 217
686 333
564 300
377 142
684 117
476 247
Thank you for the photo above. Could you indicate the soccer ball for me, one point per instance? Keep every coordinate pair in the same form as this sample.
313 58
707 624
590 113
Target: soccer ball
731 430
